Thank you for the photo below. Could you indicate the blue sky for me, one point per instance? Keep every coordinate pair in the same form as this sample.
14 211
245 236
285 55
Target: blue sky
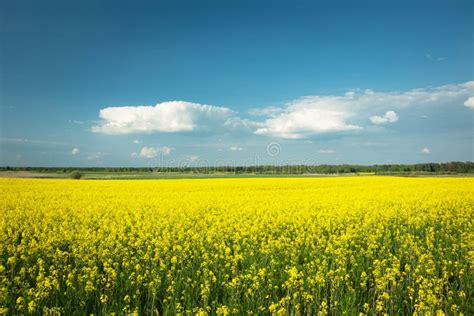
139 83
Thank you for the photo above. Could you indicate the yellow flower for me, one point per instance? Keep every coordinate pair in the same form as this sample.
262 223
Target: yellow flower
31 306
236 246
104 298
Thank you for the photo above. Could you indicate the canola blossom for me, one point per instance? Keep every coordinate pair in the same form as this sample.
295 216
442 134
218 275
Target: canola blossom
282 246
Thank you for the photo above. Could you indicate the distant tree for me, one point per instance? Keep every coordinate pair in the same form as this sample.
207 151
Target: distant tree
76 174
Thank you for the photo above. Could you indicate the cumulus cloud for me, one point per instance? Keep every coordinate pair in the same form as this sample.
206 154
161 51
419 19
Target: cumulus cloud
166 117
152 152
469 102
235 148
75 151
389 117
136 141
313 115
426 151
302 118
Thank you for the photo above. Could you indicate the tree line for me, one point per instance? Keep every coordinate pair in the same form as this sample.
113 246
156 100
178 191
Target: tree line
448 167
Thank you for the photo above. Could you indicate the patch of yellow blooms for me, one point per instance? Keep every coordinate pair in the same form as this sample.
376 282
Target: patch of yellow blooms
298 246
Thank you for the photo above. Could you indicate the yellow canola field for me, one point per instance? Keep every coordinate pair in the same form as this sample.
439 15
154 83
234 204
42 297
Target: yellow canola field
297 246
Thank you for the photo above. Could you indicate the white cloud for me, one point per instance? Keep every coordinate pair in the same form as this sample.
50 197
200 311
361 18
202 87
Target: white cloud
302 118
95 156
75 151
136 141
166 117
236 124
431 57
326 151
192 158
389 117
266 111
6 140
350 93
314 115
165 150
148 152
371 144
426 151
235 148
469 102
152 152
76 122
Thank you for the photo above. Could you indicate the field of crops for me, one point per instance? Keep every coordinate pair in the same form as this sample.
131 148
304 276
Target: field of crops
370 245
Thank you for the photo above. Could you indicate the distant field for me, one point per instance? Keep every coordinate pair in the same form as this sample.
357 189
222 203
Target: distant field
282 246
151 175
30 174
177 175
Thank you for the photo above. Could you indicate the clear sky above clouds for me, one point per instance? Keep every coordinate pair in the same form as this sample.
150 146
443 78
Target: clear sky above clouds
138 83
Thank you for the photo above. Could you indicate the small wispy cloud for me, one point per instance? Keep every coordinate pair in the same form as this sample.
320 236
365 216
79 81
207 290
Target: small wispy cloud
16 140
235 148
95 155
326 151
425 151
76 122
371 144
75 151
192 158
136 141
434 58
165 150
6 140
10 107
152 152
265 111
389 117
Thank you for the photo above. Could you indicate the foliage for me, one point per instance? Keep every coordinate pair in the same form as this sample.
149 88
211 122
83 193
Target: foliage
448 167
76 175
369 245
